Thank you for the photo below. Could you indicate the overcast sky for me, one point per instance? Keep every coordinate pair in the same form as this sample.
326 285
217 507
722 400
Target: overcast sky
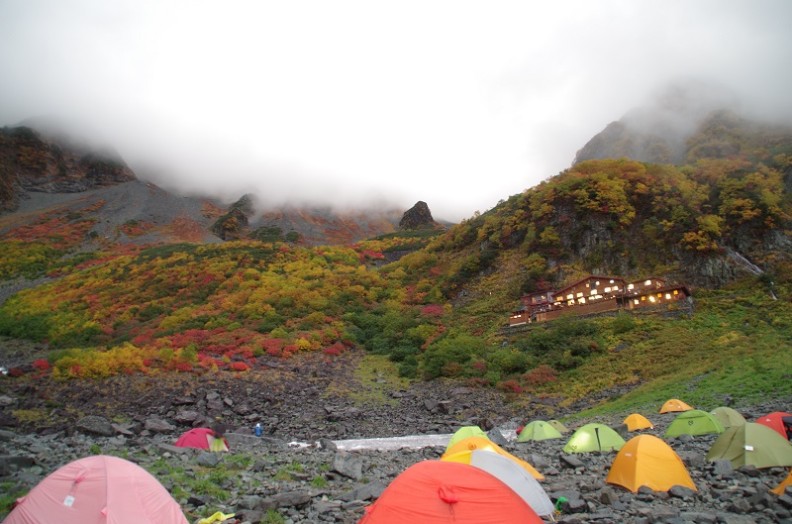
456 103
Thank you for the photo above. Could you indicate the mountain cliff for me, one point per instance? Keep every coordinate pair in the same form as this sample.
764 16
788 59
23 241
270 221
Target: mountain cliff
31 163
45 176
723 213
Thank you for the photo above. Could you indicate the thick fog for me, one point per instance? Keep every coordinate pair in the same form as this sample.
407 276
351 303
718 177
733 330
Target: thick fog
456 103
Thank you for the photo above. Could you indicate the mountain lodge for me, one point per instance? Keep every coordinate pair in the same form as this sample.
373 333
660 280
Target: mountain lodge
597 294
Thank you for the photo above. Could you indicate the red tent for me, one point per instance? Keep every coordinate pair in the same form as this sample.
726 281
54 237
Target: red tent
200 438
774 421
98 490
435 492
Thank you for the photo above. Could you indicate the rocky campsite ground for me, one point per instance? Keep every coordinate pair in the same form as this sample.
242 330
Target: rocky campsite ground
295 472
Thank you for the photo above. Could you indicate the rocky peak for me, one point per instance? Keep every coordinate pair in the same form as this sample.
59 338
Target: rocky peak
234 224
32 162
417 217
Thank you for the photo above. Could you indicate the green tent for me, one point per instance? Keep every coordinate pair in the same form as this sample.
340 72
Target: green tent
594 437
728 417
694 422
465 432
752 444
560 427
538 430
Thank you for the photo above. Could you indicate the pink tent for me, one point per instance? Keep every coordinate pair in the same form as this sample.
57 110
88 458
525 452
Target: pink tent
200 438
98 490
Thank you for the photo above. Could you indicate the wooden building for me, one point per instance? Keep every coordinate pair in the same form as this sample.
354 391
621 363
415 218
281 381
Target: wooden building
596 294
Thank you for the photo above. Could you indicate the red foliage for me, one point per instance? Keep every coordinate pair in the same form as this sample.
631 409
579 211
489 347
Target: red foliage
479 366
510 386
41 364
432 310
335 349
16 372
144 339
191 336
543 374
239 366
289 350
369 254
477 382
184 367
273 346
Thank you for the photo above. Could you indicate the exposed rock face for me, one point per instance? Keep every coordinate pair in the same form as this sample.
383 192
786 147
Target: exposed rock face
417 217
234 224
29 162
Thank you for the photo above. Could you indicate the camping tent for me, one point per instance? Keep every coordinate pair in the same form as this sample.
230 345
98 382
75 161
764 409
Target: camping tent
559 426
511 474
202 438
436 492
775 422
594 437
674 405
465 432
694 422
538 430
751 444
473 443
636 422
781 488
728 417
646 460
98 490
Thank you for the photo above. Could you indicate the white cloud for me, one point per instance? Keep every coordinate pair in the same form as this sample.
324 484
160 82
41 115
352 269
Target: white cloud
459 104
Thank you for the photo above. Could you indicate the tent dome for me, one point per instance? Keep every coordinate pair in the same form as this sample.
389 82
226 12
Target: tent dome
98 490
558 425
201 438
728 417
775 421
594 437
478 443
646 460
674 405
437 492
694 422
465 432
751 444
636 422
511 474
538 430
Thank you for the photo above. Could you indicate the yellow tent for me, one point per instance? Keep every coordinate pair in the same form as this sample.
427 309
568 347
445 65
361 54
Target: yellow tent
674 405
786 483
637 422
646 460
473 443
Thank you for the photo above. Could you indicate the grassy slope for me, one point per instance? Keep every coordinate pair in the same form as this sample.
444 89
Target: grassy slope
737 344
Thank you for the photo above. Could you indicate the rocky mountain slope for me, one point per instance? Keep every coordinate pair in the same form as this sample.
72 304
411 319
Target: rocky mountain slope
41 175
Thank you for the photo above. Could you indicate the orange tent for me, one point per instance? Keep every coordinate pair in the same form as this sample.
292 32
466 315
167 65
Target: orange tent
436 492
787 482
774 421
637 422
646 460
473 443
673 405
